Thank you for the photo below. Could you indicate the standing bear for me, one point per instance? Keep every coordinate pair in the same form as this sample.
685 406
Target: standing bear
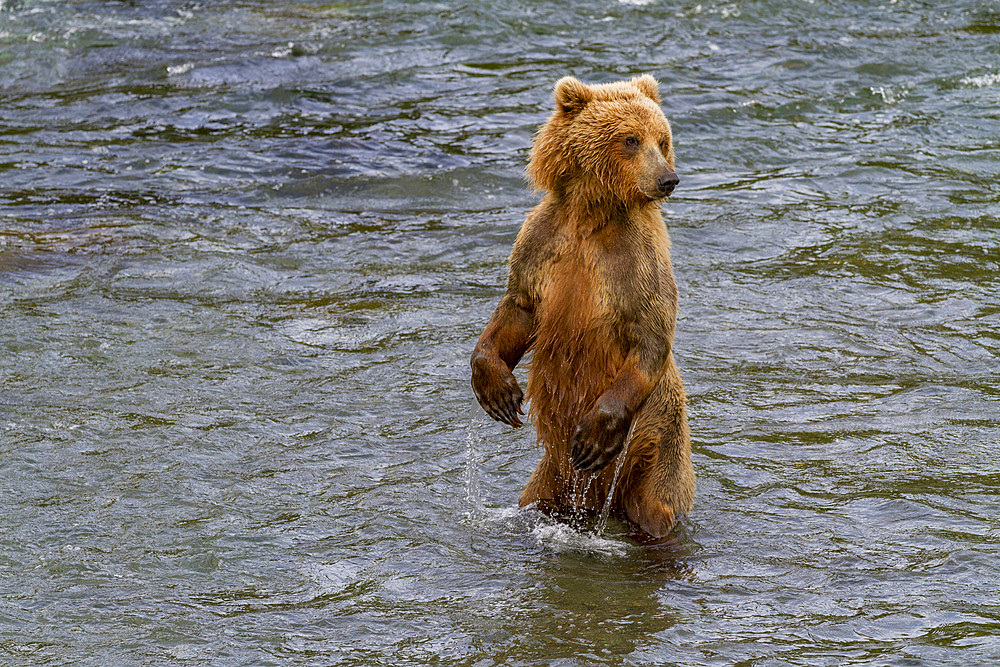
591 293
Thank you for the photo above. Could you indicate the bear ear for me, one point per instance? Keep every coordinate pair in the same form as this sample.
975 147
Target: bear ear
648 86
572 94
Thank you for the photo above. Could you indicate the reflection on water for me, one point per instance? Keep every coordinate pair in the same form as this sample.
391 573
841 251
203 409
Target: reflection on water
245 251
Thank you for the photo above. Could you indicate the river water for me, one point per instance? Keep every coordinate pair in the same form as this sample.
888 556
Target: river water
246 250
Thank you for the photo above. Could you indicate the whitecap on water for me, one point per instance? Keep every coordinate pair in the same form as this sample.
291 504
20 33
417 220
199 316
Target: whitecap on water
984 81
177 70
889 95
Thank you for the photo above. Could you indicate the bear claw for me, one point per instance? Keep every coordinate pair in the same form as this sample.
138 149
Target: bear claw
598 439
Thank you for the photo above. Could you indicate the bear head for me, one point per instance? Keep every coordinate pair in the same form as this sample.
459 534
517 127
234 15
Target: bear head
605 140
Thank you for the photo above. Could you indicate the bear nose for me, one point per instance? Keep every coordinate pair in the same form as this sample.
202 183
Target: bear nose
667 182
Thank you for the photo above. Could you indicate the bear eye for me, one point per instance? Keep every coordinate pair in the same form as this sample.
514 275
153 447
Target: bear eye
665 145
631 142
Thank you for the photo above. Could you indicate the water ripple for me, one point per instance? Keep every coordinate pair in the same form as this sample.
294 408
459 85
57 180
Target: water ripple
245 252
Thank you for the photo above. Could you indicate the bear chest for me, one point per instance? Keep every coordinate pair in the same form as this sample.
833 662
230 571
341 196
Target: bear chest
588 285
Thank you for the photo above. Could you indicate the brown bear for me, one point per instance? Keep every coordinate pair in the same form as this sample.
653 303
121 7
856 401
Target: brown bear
591 292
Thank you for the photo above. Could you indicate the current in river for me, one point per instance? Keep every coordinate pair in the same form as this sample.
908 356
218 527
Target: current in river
245 252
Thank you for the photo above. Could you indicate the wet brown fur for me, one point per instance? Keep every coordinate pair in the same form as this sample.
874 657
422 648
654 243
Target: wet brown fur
591 293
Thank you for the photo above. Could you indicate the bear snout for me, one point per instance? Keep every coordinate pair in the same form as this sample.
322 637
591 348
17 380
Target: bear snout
667 182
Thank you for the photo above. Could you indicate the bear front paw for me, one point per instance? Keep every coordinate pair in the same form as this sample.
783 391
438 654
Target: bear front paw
598 439
497 391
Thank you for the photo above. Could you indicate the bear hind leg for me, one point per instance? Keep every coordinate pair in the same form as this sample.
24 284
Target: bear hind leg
540 490
650 514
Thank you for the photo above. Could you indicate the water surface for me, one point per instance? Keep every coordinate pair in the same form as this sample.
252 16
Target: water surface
245 252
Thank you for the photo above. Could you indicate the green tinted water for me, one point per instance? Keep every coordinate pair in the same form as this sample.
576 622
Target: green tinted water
246 249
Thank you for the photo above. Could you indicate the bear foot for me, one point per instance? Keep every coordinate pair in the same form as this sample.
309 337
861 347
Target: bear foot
653 517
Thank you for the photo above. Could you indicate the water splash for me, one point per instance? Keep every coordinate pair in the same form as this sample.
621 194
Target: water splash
473 491
602 519
581 483
562 537
984 81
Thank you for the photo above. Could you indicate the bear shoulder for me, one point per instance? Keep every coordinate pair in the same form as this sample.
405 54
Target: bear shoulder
535 246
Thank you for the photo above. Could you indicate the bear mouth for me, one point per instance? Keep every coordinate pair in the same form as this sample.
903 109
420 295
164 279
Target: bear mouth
657 196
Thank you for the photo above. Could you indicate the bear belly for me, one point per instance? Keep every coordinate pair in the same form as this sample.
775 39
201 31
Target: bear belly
576 355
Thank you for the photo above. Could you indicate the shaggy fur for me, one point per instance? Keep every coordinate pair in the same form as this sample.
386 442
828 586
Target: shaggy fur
591 293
